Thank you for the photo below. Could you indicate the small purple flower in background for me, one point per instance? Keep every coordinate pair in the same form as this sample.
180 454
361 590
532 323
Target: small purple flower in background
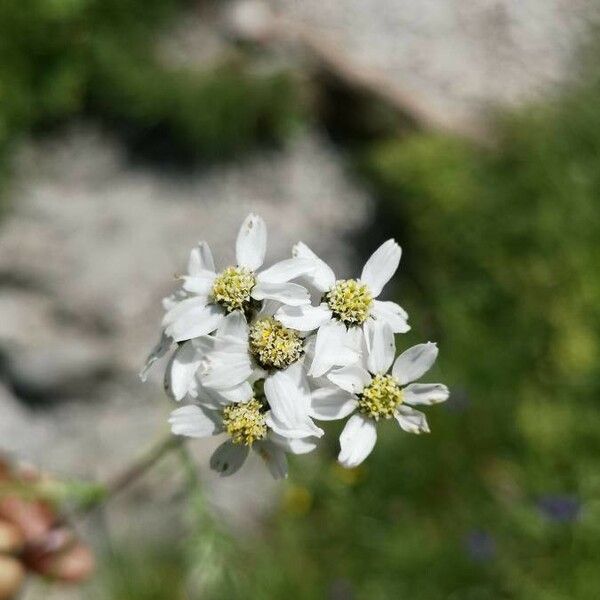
480 545
560 508
341 589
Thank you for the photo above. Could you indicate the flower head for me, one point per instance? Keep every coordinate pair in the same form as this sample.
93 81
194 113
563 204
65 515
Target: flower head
256 362
207 296
271 423
232 288
273 345
346 304
381 398
368 390
245 422
349 301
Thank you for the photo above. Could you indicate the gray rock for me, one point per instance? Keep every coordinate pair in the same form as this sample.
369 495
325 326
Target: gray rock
460 58
98 242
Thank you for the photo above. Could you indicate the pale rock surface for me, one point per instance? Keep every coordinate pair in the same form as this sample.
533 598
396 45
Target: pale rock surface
458 57
90 249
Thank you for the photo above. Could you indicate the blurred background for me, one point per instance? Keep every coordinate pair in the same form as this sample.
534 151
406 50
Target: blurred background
470 132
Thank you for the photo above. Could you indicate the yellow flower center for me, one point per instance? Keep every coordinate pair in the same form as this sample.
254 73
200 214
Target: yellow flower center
381 397
232 287
245 422
350 301
273 345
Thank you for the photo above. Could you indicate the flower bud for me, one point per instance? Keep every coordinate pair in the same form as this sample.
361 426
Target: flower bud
12 575
11 538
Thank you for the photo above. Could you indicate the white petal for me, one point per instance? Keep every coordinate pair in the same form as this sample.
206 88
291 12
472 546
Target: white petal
240 393
228 458
174 299
297 375
201 283
224 370
323 277
216 399
286 270
180 372
331 403
289 407
207 398
230 345
274 458
411 420
182 306
257 374
194 322
357 440
379 269
162 347
201 259
309 348
294 445
193 421
381 347
251 243
355 339
299 430
303 318
331 349
268 309
425 393
414 362
204 343
286 293
234 325
392 314
352 378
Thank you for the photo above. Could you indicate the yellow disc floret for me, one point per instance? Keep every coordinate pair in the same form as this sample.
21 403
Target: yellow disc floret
273 345
350 301
232 288
380 398
245 422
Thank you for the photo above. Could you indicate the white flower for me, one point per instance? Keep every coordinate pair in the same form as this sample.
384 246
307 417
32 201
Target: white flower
210 296
243 338
346 305
264 351
378 395
249 424
165 343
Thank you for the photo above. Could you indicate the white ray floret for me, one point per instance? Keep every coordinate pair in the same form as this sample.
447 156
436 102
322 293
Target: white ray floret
248 425
256 362
346 305
372 394
263 351
211 295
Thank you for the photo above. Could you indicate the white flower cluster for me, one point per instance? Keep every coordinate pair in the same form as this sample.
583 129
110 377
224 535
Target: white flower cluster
258 361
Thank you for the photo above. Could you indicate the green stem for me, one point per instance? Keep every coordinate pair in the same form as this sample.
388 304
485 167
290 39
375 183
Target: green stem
143 464
137 469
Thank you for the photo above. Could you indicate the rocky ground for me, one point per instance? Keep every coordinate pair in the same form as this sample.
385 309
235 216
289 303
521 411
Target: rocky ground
90 249
460 58
94 240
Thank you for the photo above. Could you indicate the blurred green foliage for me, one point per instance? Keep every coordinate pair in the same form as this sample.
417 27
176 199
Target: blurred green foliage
502 267
60 58
502 500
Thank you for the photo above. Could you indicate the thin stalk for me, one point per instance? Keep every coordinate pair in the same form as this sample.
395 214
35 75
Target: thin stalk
134 471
